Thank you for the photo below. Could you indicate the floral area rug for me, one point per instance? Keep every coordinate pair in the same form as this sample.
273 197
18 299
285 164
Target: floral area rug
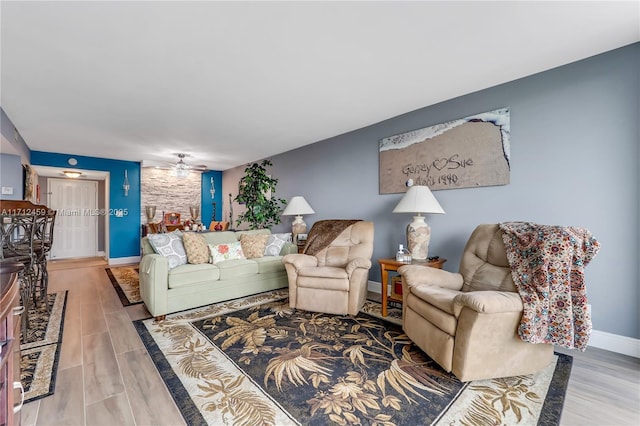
126 282
257 361
40 349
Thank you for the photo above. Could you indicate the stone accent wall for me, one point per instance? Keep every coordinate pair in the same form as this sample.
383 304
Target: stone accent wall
160 188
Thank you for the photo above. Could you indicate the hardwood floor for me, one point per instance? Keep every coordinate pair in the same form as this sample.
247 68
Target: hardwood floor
106 377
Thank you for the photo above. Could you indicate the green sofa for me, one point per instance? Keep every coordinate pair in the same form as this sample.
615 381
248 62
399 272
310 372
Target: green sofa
189 286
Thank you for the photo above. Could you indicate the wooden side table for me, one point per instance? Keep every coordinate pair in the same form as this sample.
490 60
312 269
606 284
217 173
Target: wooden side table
389 265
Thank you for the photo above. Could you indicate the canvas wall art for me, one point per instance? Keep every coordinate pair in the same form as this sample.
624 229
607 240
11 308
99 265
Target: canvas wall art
470 152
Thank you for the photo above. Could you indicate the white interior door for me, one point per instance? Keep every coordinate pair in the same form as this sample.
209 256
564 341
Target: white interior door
76 228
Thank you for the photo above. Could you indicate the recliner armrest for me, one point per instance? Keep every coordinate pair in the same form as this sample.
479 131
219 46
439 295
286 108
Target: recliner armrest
490 302
415 275
357 263
300 261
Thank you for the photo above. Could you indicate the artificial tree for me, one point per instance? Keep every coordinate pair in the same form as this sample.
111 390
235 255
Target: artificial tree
255 191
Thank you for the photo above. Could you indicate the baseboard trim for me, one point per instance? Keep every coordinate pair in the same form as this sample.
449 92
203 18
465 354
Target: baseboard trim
124 260
374 287
615 343
599 339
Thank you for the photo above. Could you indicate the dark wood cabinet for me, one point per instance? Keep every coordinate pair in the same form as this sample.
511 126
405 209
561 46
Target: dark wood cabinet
11 391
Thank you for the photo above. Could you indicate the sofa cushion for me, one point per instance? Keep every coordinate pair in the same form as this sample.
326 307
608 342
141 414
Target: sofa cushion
223 252
443 320
222 237
324 272
441 298
192 274
275 242
268 264
196 248
231 269
253 232
170 246
253 245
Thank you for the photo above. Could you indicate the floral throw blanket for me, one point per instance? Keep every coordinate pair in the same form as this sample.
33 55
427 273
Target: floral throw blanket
547 266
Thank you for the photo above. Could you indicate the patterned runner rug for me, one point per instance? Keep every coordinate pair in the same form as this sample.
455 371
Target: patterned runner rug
126 282
40 350
257 361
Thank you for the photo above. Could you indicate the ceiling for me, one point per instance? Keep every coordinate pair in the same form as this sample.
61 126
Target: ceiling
234 82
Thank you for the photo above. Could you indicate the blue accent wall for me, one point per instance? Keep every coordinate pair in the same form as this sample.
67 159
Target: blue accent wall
205 197
124 232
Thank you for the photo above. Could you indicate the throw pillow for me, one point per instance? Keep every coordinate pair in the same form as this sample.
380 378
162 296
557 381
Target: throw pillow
229 251
253 245
196 248
170 246
275 242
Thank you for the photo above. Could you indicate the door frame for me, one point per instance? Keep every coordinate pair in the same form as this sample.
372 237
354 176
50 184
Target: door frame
99 175
95 185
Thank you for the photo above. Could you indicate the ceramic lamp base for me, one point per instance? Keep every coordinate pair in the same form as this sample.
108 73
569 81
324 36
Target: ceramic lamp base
298 227
418 236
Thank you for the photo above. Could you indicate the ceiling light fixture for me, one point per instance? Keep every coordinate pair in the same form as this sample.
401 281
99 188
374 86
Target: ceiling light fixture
73 174
181 168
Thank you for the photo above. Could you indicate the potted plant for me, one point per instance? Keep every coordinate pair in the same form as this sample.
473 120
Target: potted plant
255 191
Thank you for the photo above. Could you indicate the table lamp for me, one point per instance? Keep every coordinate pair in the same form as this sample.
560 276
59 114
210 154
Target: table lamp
418 199
297 207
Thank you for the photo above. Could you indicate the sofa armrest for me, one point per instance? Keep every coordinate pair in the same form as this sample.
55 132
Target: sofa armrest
416 275
358 263
288 248
490 302
154 283
300 261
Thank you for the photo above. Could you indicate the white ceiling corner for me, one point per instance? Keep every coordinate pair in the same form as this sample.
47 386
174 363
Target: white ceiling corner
233 82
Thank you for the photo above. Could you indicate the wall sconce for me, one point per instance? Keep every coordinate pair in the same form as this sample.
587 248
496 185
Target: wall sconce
125 185
213 188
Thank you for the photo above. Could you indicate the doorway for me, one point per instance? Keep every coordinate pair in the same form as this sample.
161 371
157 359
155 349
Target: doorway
76 229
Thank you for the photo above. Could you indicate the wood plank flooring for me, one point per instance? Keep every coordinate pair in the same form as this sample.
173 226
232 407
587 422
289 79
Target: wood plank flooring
106 377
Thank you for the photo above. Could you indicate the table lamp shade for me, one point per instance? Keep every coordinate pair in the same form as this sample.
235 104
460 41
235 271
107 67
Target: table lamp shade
418 199
297 206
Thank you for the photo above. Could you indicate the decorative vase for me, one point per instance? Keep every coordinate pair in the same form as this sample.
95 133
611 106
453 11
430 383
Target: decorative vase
418 236
195 212
150 212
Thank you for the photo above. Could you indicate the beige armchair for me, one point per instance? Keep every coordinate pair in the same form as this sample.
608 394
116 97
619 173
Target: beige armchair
467 322
334 279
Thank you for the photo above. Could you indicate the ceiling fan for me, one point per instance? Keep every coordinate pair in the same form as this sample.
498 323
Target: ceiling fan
182 169
179 168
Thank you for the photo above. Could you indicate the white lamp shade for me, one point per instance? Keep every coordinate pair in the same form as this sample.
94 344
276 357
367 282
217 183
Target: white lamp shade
419 199
297 206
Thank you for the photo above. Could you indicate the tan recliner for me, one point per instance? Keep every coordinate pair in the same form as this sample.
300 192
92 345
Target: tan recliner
467 322
333 280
